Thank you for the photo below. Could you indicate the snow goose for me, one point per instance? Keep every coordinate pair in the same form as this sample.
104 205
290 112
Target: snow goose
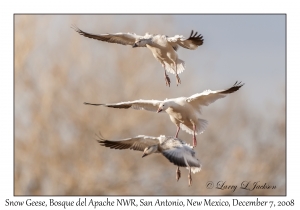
175 150
162 47
184 112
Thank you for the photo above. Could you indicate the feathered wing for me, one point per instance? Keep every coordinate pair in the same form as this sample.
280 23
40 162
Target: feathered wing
149 105
183 156
138 143
208 96
119 38
191 43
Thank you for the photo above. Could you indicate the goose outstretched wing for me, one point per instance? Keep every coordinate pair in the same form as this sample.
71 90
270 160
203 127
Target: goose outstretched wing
119 38
149 105
138 143
208 96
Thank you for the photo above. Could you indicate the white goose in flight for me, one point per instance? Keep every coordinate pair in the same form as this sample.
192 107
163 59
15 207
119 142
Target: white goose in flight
163 47
175 150
184 112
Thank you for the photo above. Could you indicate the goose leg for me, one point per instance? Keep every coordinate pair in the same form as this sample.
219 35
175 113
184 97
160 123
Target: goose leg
178 128
167 78
194 136
178 174
190 177
177 77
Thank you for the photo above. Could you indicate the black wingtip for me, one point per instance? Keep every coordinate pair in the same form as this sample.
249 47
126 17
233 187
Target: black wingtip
77 30
192 33
85 103
198 40
236 86
239 84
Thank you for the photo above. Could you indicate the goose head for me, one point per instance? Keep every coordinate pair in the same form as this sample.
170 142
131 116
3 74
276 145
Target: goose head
141 43
149 150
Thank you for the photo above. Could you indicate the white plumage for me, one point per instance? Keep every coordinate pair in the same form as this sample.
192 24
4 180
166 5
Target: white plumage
184 112
175 150
162 47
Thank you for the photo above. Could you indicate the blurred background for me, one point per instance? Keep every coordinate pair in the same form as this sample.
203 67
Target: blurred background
56 70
